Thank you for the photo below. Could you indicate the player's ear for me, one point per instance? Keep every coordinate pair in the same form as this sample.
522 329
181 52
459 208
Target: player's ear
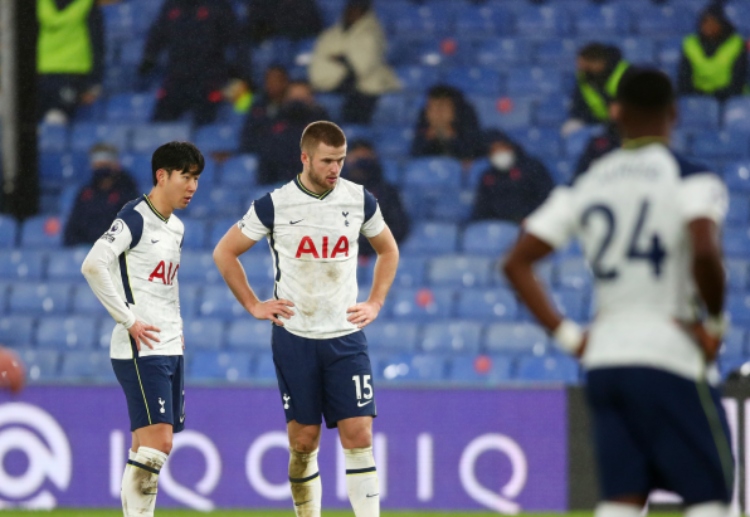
161 175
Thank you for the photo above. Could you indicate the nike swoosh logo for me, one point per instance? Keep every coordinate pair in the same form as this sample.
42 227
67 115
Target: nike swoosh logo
182 418
360 404
372 495
300 504
154 241
295 222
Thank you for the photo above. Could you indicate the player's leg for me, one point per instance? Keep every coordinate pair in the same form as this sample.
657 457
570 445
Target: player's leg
362 483
304 474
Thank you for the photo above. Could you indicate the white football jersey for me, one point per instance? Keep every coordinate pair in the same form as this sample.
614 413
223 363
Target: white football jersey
313 241
145 275
630 211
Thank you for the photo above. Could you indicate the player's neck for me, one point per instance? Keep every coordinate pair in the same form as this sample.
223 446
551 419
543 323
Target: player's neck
304 178
159 203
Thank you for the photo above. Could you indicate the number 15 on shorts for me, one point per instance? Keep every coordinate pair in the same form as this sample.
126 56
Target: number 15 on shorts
363 389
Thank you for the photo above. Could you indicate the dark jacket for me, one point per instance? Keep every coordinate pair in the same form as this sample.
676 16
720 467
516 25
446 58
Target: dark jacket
293 19
96 208
597 147
258 123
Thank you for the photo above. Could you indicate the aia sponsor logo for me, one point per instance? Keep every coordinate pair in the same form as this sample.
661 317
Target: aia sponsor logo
321 250
164 271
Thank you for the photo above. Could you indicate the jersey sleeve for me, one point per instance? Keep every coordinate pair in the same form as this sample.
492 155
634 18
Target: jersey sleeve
258 221
554 221
703 195
374 222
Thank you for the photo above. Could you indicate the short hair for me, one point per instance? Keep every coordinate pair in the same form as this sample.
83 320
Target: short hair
645 89
321 131
177 156
361 143
596 51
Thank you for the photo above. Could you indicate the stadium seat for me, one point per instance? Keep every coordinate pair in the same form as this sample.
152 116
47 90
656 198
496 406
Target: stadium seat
41 365
576 142
421 304
41 231
502 53
56 168
574 273
491 238
80 365
538 141
556 53
424 21
516 339
416 78
455 337
541 23
737 114
190 298
459 271
130 107
204 333
217 202
196 233
39 299
430 239
390 336
611 19
86 302
572 304
198 266
216 138
737 274
433 172
391 110
445 205
264 369
84 135
249 334
739 13
698 111
52 138
16 331
475 80
737 177
131 52
739 209
394 141
638 50
67 333
721 145
551 112
503 112
545 270
486 21
65 264
669 52
147 137
413 368
22 265
219 302
736 242
558 369
657 22
239 171
534 82
735 342
738 305
411 271
480 369
222 366
488 305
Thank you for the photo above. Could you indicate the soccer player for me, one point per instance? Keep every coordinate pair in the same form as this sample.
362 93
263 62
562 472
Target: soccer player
649 224
312 225
132 269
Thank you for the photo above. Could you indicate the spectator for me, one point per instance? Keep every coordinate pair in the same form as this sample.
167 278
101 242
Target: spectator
70 57
599 70
265 108
447 126
363 166
278 149
714 61
293 19
350 58
515 183
98 203
197 36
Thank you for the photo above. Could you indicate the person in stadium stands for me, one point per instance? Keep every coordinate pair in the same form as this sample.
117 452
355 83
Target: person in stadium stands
277 148
350 58
714 61
292 19
319 349
513 185
649 222
265 109
447 126
363 167
98 202
132 270
70 57
197 36
599 68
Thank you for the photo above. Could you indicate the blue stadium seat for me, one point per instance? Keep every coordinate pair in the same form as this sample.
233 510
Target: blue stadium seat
391 336
482 369
421 304
22 265
196 233
502 53
131 52
198 266
739 209
455 337
204 333
39 299
221 366
130 107
16 331
147 137
737 114
86 134
391 110
558 369
258 266
217 202
638 50
654 22
504 112
239 171
190 298
475 80
737 177
41 365
516 339
739 13
539 141
572 304
394 141
698 111
431 238
67 333
413 368
574 273
56 168
669 52
460 271
488 305
735 343
433 172
738 274
86 365
483 22
217 137
219 302
41 231
139 166
489 237
556 53
52 138
576 142
552 111
264 369
249 334
411 271
736 242
417 78
738 305
86 302
534 81
421 22
611 19
65 264
721 145
541 23
544 270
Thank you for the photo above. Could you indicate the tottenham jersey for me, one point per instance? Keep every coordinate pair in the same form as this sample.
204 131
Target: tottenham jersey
313 240
630 211
148 249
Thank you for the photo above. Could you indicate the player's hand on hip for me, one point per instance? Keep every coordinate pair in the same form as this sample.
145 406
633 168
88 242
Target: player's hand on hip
143 334
363 313
272 309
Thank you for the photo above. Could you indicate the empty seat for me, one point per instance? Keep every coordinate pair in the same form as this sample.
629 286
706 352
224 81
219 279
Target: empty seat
658 22
736 242
737 114
739 209
206 333
638 50
413 368
480 369
84 135
552 111
239 171
86 302
738 305
190 298
249 334
22 265
431 238
264 369
147 137
433 172
16 331
486 21
456 337
216 138
130 107
489 238
487 304
737 176
41 231
721 145
503 112
8 231
219 302
421 22
572 304
460 271
475 80
392 336
574 273
558 369
198 266
502 53
40 365
88 365
394 141
415 78
65 264
196 233
39 299
421 304
220 366
543 141
612 19
516 339
218 202
542 23
52 137
698 111
734 343
737 274
390 109
67 333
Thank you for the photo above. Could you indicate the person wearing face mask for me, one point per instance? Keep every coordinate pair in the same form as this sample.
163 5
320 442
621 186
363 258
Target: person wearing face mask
599 69
515 183
714 61
362 166
98 202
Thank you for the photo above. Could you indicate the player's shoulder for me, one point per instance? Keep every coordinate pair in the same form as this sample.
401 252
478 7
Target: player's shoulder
688 168
177 224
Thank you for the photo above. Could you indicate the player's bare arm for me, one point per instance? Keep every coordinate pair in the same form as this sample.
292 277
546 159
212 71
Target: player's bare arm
519 268
362 314
226 256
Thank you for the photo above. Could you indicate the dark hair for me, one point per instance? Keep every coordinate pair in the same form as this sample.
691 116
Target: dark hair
599 52
361 143
177 156
645 89
444 91
321 131
278 67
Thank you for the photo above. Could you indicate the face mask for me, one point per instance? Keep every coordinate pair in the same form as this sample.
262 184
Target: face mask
104 172
503 160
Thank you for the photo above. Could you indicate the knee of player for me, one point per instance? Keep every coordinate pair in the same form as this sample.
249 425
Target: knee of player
164 445
304 444
357 440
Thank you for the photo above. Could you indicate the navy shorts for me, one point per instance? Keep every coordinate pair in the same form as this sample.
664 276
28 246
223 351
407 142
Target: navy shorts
154 389
331 377
654 429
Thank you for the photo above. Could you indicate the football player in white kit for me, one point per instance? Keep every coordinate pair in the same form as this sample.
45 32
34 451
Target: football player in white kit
132 269
312 225
649 225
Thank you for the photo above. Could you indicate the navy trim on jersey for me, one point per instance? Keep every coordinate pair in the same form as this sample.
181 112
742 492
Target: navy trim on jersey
371 204
134 220
265 211
154 210
298 182
688 167
125 278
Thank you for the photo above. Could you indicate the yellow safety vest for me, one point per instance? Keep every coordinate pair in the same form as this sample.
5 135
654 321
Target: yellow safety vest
712 73
595 101
64 45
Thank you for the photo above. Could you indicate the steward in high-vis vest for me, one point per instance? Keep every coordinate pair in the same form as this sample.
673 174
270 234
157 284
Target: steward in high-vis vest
714 60
599 70
70 53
